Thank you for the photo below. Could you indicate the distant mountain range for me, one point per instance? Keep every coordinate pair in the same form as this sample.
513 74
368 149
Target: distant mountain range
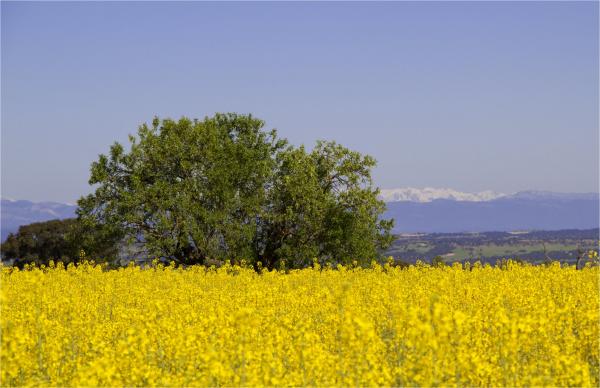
429 194
449 211
427 210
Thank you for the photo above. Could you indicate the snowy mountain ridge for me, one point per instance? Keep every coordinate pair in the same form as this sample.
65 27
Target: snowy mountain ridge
429 194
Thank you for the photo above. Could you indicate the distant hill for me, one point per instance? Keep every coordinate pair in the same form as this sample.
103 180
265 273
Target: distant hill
530 210
415 210
16 213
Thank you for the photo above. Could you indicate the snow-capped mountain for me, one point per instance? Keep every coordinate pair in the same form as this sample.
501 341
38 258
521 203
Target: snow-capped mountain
446 210
429 194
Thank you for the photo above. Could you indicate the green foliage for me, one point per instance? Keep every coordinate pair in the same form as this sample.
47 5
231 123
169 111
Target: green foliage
322 204
41 241
58 240
438 261
222 188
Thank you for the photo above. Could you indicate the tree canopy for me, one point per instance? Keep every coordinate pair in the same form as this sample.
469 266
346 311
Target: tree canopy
224 188
58 240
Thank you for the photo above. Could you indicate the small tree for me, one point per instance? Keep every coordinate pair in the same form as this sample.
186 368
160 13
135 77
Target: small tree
58 240
222 188
438 261
39 242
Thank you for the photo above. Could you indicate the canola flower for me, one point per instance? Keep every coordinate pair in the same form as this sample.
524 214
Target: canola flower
514 325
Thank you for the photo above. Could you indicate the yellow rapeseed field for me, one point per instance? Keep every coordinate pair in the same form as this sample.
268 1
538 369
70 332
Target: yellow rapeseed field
380 326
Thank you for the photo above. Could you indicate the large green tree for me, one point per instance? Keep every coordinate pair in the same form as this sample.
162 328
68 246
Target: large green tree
223 188
323 205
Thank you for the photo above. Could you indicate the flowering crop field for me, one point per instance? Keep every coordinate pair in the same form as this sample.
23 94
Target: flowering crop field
518 325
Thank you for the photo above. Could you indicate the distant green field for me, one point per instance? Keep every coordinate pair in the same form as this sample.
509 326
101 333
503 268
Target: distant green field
534 246
491 250
421 247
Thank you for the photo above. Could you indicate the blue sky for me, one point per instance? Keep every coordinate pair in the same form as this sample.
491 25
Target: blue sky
472 96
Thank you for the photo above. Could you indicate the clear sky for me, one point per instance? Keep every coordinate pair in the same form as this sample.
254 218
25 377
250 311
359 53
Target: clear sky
471 96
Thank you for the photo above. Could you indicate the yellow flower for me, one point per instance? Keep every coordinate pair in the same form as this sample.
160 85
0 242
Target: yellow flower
515 325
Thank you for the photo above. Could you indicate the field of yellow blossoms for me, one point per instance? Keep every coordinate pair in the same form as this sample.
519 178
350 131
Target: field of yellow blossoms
513 325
